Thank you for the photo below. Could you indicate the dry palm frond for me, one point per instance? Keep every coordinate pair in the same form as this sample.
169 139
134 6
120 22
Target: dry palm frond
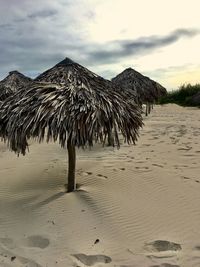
84 108
4 92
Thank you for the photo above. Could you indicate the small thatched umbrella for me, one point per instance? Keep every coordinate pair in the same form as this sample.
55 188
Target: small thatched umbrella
147 90
77 114
15 81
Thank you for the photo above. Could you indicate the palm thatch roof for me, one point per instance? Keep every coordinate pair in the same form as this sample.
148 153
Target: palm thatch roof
83 110
4 92
146 89
62 72
65 71
15 80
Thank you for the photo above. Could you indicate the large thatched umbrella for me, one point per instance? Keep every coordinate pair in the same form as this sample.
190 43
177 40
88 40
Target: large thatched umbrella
62 72
15 81
77 114
147 90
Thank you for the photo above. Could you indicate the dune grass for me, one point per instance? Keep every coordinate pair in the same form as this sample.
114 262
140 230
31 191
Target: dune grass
182 96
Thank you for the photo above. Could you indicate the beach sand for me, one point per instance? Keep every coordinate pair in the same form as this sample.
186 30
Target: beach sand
135 207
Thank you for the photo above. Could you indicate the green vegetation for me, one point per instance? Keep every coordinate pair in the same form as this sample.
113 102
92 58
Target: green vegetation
186 95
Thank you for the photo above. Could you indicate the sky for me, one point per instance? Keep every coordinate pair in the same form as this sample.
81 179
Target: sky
160 39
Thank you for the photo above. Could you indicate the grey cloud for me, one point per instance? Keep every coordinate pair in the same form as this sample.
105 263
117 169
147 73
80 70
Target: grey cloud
43 14
120 49
5 25
172 69
33 53
31 44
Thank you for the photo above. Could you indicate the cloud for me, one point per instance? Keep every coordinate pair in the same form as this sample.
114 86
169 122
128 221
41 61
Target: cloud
5 25
34 35
174 76
43 14
118 49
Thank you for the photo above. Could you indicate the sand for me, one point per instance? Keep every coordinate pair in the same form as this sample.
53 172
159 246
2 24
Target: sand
137 206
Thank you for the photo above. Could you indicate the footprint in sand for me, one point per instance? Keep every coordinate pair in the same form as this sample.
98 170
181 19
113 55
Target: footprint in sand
163 249
130 157
185 177
146 144
165 265
36 241
163 245
197 248
108 166
7 257
157 165
185 148
87 173
91 260
154 138
103 176
189 155
55 160
142 167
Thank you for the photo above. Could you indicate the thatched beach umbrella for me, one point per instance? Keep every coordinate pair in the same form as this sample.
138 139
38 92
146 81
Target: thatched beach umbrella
77 114
147 90
62 72
15 81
